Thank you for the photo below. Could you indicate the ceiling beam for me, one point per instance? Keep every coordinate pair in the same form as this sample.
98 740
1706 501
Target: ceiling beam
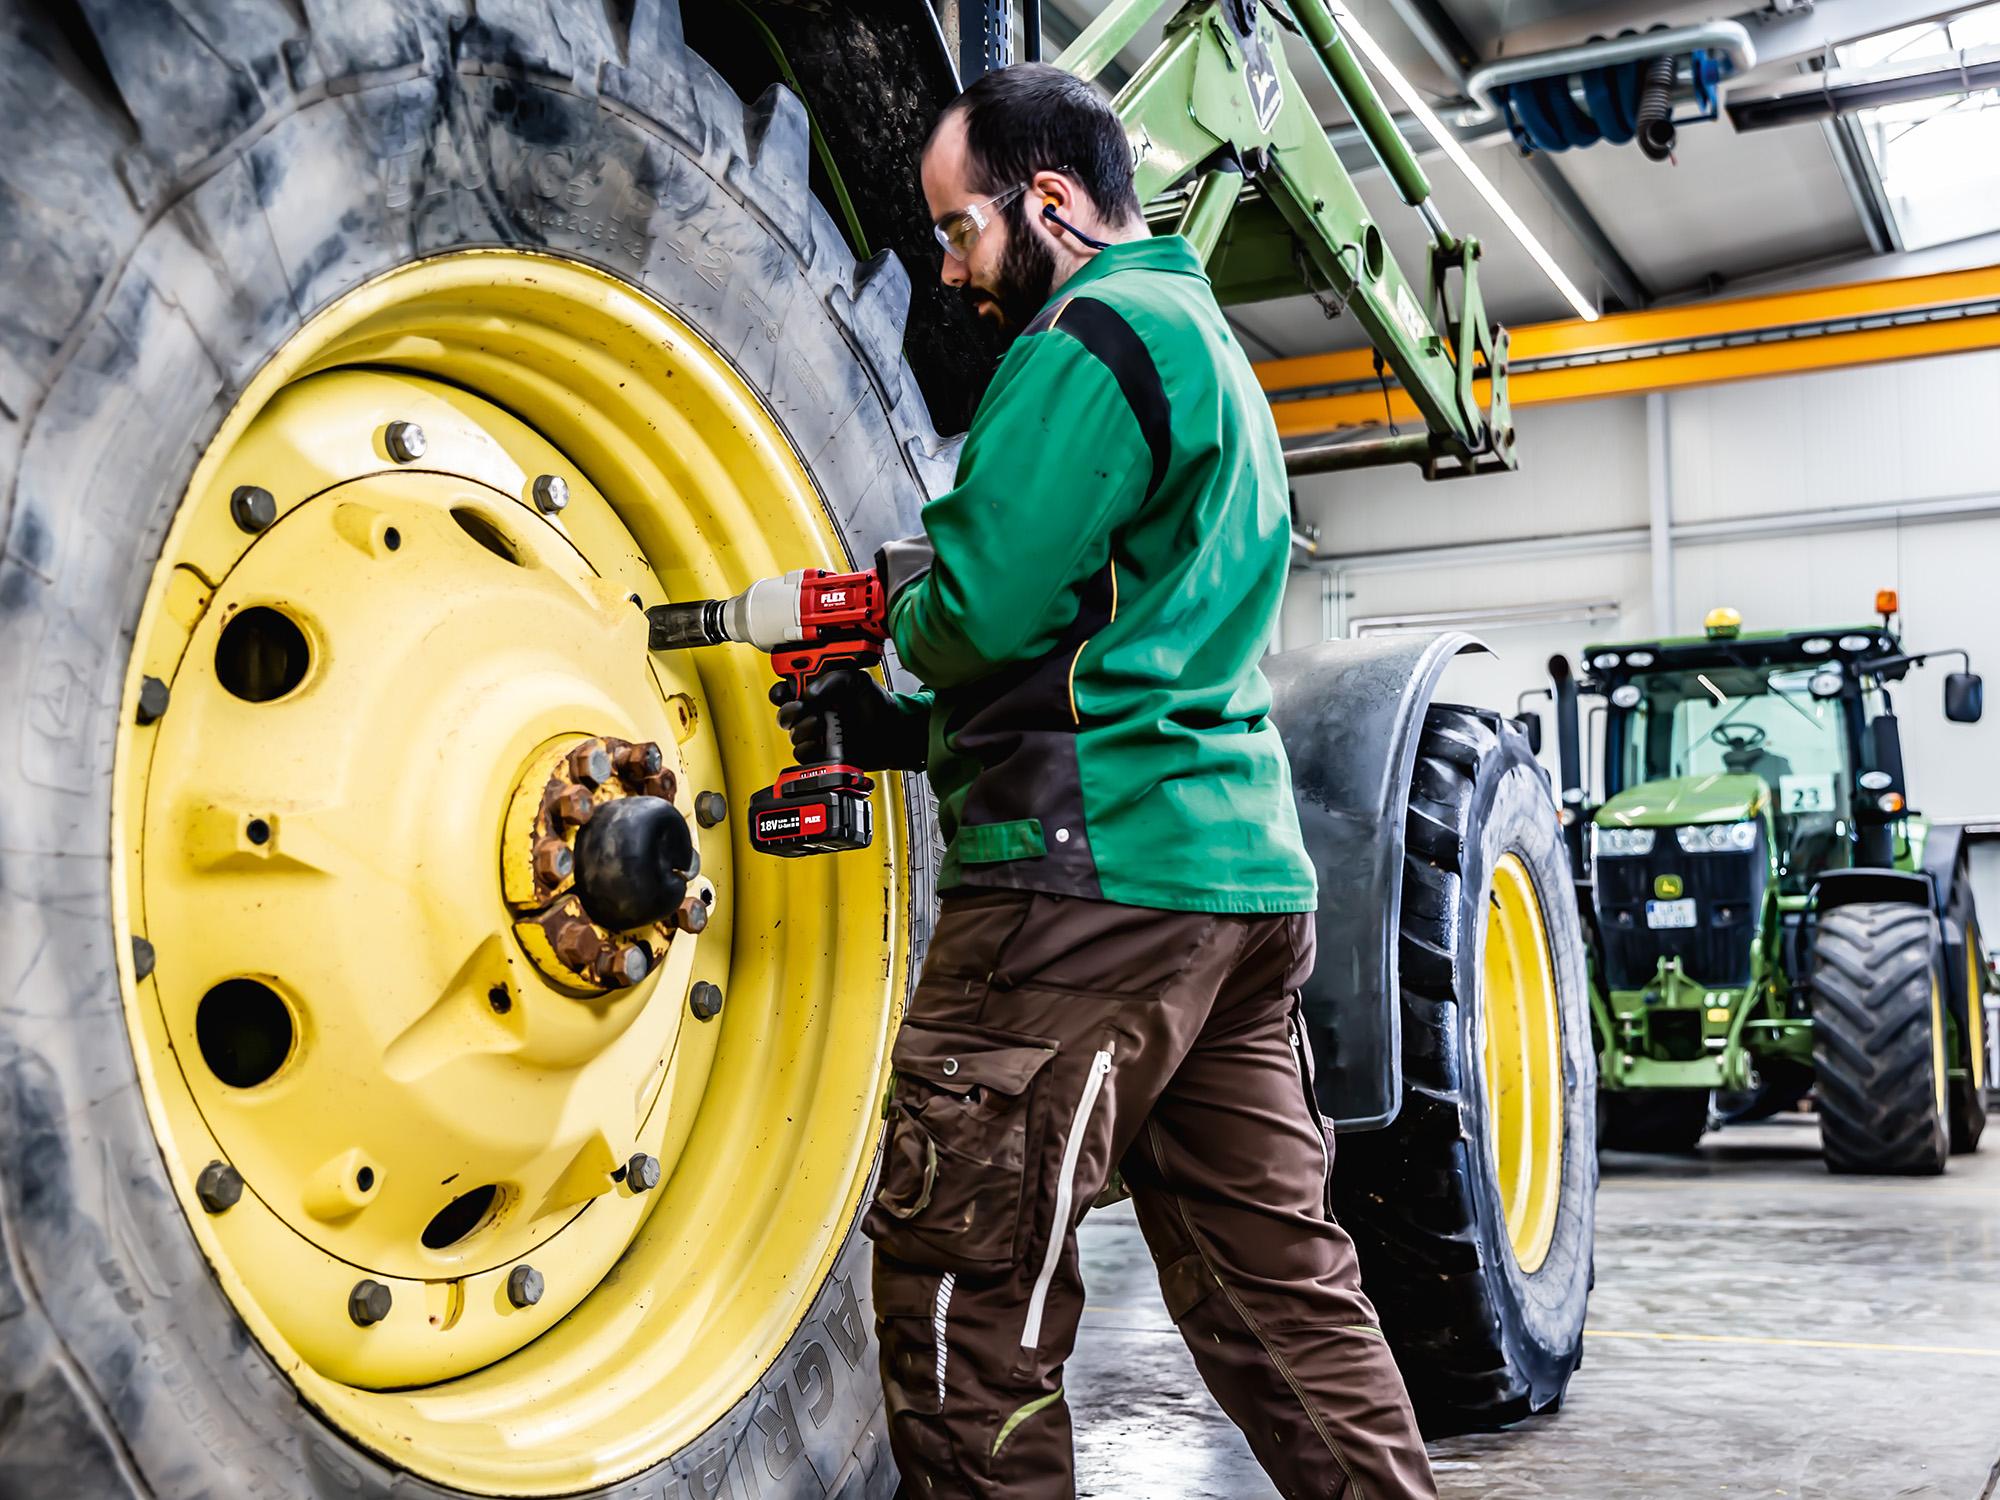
1706 343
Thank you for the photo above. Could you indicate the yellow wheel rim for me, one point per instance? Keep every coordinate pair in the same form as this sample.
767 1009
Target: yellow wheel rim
1975 1010
1939 1065
323 839
1521 1057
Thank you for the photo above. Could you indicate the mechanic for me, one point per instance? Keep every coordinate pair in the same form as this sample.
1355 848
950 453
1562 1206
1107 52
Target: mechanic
1113 980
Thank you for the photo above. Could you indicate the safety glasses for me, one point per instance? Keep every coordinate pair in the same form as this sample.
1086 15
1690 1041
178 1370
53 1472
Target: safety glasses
959 232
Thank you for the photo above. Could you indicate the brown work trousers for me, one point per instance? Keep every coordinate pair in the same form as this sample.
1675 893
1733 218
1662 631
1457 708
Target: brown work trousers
1050 1039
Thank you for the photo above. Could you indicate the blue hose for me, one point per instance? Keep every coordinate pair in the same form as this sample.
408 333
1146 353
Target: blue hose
1543 114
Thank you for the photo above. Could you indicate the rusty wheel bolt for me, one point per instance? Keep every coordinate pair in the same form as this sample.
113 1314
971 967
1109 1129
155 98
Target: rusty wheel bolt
705 1000
637 762
553 862
551 493
577 944
574 807
623 966
368 1302
590 765
642 1172
152 699
524 1286
710 808
219 1187
405 441
660 784
252 508
692 916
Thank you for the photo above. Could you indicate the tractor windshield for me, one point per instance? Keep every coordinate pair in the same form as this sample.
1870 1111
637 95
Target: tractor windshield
1750 720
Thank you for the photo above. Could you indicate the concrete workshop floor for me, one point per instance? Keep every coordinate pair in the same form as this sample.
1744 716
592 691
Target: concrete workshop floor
1759 1328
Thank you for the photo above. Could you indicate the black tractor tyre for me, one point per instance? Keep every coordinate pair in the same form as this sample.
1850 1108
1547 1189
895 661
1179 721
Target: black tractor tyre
181 187
1480 1342
1966 1105
1877 1039
1664 1121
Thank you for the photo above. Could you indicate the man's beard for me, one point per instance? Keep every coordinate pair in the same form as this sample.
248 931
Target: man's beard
1027 276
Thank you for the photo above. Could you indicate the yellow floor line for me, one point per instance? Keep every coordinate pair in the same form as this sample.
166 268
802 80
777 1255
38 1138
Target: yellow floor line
1784 1343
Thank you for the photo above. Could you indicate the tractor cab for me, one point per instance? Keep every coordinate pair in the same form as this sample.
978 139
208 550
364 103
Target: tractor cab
1752 784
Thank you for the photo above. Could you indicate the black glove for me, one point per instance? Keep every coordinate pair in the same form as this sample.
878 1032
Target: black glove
874 734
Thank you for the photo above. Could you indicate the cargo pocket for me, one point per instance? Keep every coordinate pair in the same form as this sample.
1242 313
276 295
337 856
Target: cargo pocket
1302 1053
950 1194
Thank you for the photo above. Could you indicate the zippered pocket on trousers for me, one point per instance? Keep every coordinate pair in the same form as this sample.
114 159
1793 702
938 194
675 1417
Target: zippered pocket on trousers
1079 1126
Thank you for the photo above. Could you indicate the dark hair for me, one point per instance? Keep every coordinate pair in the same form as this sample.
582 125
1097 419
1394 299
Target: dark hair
1033 117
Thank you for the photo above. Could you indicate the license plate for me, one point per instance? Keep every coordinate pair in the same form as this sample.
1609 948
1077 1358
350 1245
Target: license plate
1670 913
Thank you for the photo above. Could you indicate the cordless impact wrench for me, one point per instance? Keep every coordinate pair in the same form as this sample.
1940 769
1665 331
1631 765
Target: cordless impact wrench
810 622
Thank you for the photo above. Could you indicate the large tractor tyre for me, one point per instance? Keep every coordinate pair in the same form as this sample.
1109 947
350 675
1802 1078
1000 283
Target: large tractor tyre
1879 1040
1664 1121
1967 1103
364 367
1474 1210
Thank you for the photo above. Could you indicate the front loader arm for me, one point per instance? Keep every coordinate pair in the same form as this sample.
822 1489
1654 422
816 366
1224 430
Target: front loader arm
1217 104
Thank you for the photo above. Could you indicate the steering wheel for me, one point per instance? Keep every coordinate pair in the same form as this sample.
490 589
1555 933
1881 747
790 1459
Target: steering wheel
1739 739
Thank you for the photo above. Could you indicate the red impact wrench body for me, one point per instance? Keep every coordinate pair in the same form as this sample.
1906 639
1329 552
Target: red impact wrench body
810 622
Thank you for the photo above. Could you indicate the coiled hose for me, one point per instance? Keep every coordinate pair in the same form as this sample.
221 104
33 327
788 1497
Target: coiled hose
1655 119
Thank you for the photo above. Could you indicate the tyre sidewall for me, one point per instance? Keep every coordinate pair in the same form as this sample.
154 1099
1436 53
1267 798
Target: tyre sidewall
118 1325
1542 1313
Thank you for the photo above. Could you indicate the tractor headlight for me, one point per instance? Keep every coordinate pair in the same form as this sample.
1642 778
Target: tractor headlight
1616 841
1716 838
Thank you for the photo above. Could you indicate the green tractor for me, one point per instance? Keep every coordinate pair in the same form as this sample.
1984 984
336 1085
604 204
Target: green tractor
1767 914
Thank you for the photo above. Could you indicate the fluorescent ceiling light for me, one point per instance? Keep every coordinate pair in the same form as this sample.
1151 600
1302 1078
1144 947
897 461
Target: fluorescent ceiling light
1939 159
1448 143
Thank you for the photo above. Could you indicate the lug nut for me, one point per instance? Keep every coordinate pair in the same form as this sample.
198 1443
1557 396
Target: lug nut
405 442
368 1303
692 916
710 808
252 508
153 697
577 944
705 1000
661 784
637 762
623 966
590 765
551 493
642 1172
524 1286
142 958
553 862
574 807
219 1187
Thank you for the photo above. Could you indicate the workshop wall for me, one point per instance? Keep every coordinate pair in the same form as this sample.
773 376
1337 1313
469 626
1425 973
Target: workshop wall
1791 499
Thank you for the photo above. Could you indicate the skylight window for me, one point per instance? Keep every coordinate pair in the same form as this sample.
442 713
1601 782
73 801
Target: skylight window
1939 159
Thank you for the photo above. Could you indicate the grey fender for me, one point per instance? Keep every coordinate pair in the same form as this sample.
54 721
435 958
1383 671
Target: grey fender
1351 714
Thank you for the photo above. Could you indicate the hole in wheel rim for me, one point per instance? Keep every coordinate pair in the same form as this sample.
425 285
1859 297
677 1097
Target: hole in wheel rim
262 655
244 1031
460 1218
476 525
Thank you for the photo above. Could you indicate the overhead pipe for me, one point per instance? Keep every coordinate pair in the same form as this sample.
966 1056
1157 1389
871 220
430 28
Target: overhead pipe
1730 38
1841 91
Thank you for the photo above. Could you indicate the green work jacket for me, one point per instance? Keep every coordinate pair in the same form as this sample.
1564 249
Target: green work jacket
1103 578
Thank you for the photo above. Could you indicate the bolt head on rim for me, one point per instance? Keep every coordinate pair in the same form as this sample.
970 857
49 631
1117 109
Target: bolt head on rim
369 1303
524 1286
220 1187
405 441
551 493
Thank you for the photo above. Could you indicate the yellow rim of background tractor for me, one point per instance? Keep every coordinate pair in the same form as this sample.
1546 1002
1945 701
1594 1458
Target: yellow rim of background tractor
1940 1060
1975 1011
331 847
1521 1058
